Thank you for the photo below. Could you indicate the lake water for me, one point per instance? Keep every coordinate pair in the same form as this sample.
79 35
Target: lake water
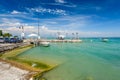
89 60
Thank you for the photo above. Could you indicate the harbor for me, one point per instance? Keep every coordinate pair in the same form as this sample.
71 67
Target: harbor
63 54
84 61
59 40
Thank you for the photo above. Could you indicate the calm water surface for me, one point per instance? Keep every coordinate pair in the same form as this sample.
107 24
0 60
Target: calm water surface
88 60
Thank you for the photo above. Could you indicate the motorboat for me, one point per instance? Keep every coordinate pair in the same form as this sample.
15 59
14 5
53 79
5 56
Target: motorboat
105 40
45 44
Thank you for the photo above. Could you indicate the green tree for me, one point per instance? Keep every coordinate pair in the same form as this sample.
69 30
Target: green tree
15 36
1 34
7 35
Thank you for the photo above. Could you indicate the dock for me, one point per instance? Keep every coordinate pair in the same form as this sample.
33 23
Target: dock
66 41
10 46
55 40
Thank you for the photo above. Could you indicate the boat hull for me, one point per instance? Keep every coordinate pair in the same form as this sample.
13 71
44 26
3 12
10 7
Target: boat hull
45 44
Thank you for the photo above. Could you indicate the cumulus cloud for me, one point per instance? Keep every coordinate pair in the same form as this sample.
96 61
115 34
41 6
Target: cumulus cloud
45 31
44 28
12 26
15 12
5 22
18 12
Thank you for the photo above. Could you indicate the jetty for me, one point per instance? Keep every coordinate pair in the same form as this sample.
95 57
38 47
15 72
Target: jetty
10 46
54 40
67 41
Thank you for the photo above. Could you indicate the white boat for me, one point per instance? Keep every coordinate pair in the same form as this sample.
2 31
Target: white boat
45 44
105 40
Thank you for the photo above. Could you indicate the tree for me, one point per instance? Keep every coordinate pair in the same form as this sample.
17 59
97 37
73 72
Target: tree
1 34
7 35
15 36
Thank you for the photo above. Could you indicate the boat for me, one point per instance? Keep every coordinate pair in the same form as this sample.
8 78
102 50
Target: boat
105 40
45 44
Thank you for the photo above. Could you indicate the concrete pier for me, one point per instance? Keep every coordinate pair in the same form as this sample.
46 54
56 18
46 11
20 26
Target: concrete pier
54 40
38 42
67 41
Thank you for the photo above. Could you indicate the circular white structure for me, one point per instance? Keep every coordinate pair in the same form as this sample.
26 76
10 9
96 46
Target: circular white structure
33 35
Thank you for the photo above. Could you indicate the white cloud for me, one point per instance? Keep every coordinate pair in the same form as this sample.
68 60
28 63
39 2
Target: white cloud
60 1
18 31
47 10
44 28
45 31
15 12
6 22
70 22
12 26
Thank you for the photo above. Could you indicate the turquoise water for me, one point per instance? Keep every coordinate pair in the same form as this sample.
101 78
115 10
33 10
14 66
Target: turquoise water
88 60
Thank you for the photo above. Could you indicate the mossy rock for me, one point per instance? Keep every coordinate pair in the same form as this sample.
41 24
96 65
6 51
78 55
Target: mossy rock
0 54
30 63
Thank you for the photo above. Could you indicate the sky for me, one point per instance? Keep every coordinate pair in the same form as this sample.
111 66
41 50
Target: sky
89 18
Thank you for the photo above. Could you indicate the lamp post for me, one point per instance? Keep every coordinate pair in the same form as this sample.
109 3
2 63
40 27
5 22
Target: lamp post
22 32
38 27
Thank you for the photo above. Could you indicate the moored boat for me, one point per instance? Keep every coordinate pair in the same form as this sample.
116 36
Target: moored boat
105 40
45 44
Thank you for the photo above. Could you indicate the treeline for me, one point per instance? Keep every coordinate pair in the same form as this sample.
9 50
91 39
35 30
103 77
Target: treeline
5 34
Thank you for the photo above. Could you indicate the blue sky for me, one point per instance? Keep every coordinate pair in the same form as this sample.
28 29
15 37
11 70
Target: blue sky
90 18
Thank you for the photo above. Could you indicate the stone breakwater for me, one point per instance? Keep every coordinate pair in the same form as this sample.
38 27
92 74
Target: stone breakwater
7 46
